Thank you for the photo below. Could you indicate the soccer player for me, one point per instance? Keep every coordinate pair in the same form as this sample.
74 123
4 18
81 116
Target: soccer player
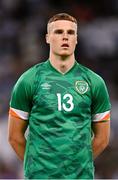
66 108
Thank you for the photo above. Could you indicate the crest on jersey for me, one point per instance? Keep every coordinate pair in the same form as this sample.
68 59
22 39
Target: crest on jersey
81 86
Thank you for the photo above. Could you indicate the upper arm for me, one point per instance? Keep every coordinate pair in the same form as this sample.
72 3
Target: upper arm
21 104
16 127
101 130
101 110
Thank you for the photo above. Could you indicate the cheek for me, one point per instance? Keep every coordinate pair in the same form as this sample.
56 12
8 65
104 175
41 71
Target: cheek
54 45
73 43
54 42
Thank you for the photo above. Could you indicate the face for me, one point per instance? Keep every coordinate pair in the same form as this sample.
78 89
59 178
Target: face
62 37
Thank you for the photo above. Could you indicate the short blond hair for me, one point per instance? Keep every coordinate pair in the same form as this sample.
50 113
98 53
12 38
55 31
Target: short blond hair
62 16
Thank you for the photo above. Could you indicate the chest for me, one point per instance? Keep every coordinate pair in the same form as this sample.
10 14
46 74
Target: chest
63 93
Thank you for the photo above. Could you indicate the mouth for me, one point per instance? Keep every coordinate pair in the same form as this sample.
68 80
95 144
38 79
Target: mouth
65 45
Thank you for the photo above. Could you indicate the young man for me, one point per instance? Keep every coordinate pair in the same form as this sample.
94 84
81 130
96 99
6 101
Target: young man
66 107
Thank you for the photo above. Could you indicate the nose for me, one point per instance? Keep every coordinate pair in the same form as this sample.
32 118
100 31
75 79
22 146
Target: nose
65 36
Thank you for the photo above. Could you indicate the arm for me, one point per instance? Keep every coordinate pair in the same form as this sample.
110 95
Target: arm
101 132
16 138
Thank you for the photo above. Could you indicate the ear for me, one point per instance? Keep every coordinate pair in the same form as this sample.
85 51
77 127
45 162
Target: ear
77 39
47 38
76 42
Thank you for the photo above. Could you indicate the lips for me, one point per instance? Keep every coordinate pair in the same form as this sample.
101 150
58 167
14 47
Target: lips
65 45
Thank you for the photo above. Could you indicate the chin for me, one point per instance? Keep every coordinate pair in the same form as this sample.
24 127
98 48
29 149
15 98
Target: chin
65 54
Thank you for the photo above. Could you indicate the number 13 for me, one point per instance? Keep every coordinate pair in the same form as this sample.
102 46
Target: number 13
61 105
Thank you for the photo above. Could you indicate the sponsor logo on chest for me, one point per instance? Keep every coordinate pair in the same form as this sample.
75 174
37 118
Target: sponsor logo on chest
45 86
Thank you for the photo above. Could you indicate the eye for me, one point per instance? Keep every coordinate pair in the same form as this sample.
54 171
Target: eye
71 32
58 31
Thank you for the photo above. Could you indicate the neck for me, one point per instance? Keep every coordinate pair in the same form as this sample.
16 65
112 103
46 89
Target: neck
62 64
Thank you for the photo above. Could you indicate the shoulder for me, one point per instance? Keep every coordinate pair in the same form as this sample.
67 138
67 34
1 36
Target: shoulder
26 84
92 76
29 75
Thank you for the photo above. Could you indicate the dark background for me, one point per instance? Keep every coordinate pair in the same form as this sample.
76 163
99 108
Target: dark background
22 44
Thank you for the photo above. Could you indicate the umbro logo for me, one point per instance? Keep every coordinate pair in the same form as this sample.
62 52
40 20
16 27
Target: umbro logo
45 86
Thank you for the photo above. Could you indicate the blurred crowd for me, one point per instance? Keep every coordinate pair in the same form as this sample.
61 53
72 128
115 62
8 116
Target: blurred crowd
22 44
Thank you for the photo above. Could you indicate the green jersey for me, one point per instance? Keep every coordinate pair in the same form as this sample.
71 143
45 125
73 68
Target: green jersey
60 109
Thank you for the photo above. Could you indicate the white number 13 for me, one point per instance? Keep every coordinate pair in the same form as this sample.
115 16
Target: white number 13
61 105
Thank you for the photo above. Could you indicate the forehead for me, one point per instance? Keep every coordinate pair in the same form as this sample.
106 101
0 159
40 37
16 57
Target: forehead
62 24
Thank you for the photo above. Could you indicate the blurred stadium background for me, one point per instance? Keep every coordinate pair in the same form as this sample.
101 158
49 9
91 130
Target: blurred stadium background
22 44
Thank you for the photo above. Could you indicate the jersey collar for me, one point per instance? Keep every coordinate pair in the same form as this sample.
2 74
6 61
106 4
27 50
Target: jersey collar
55 70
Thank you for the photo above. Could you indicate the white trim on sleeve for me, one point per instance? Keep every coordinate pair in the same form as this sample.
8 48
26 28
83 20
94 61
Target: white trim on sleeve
22 114
101 116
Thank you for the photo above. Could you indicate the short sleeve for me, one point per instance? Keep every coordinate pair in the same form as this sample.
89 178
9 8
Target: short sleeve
22 94
100 99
